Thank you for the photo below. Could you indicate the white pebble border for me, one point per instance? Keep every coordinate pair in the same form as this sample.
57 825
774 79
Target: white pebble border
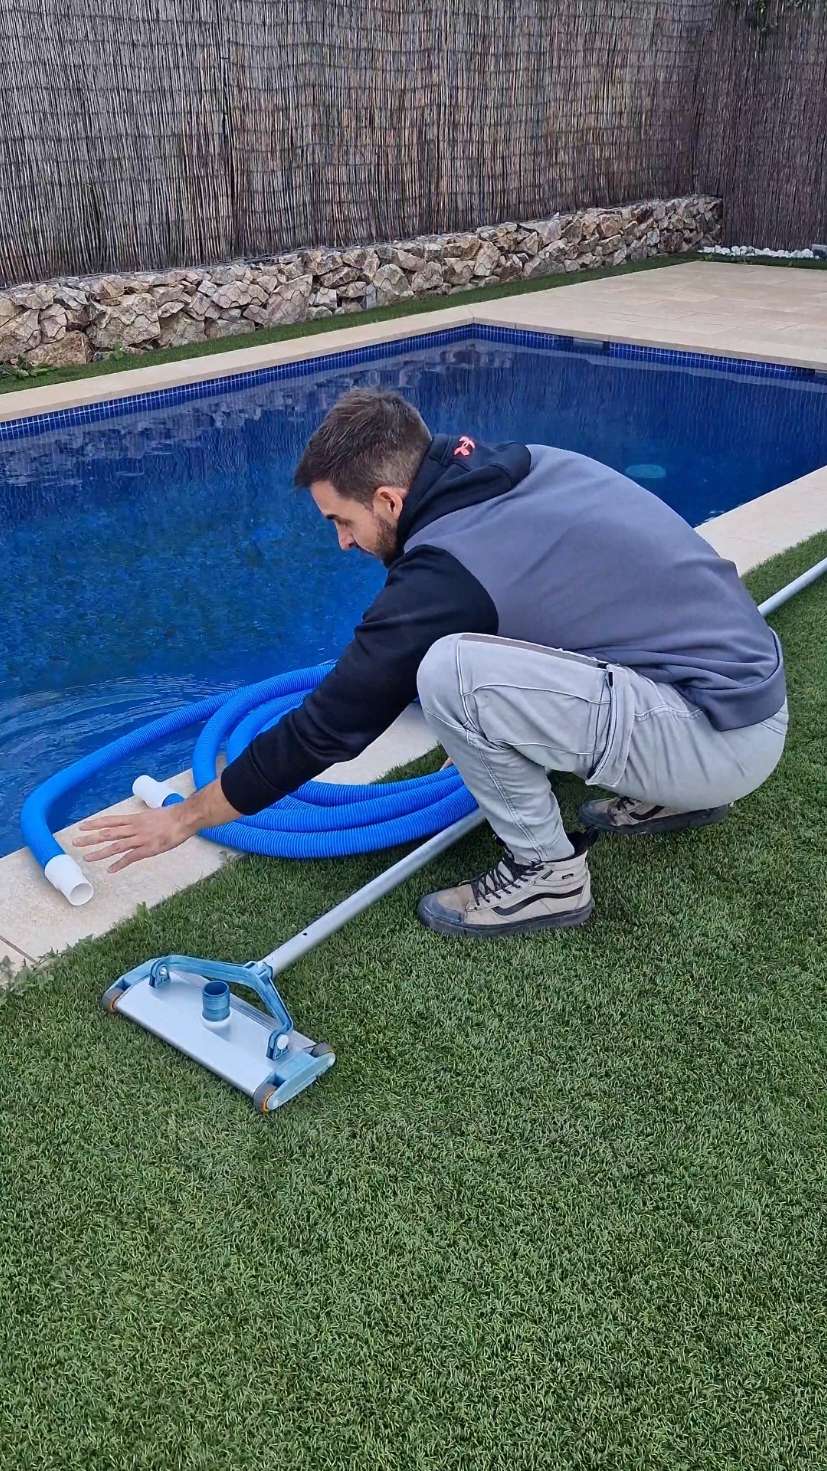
818 253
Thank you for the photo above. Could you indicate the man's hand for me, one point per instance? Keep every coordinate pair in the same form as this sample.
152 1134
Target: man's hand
145 834
140 835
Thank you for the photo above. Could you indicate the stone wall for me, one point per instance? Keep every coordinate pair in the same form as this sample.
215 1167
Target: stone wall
74 320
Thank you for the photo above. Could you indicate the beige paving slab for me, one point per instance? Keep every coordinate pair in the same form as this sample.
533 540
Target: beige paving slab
760 312
408 738
36 920
771 523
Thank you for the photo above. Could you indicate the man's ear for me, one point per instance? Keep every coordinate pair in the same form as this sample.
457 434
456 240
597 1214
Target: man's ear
390 500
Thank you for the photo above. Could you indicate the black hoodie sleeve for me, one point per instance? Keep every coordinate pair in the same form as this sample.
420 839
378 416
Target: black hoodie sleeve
428 594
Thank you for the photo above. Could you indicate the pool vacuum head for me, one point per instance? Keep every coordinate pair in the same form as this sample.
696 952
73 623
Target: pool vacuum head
188 1003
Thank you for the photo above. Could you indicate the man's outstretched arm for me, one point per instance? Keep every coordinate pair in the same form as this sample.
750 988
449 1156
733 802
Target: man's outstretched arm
140 835
428 594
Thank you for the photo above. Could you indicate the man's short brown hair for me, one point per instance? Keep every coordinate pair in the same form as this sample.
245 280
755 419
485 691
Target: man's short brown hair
369 438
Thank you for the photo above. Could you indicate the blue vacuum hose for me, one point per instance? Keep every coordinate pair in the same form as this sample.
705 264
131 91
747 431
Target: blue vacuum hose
321 819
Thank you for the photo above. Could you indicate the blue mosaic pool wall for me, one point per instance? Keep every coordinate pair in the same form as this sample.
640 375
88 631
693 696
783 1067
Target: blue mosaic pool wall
114 408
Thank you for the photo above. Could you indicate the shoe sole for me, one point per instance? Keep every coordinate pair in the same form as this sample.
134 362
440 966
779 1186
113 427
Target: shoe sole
683 823
520 927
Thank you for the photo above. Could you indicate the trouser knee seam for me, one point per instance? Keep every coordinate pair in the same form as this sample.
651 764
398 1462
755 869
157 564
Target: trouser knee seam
515 817
461 688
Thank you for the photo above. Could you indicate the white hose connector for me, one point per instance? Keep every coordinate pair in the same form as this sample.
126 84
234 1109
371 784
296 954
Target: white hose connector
65 876
153 793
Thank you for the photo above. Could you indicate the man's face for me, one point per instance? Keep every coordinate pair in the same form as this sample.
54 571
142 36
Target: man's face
371 528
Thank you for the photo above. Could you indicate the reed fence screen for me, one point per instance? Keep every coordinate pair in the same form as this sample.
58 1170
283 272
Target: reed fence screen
761 102
169 132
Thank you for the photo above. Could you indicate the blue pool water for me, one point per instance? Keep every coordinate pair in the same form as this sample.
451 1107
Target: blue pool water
160 553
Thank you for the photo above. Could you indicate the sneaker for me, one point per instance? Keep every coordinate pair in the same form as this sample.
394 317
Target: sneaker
515 898
624 815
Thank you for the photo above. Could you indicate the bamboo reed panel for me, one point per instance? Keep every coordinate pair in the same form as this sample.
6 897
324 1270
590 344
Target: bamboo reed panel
762 126
168 132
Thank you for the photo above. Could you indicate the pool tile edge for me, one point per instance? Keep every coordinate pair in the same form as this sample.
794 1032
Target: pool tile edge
132 382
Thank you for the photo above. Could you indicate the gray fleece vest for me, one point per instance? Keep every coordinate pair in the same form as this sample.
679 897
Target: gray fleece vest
577 557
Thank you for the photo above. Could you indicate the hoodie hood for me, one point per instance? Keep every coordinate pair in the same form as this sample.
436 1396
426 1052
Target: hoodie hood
458 471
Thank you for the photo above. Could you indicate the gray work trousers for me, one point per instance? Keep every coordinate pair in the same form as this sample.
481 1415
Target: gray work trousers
508 712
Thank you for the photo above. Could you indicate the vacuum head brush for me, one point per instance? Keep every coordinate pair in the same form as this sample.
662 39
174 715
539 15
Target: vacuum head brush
188 1003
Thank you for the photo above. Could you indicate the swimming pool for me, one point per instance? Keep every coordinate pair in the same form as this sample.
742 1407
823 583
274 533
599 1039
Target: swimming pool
153 551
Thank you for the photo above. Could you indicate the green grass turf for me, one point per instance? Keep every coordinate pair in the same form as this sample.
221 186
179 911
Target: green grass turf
11 380
560 1204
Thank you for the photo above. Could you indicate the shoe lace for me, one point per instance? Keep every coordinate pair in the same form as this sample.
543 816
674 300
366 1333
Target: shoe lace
503 878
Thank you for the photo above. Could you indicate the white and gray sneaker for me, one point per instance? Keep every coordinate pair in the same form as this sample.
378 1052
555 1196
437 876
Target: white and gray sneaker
515 898
624 815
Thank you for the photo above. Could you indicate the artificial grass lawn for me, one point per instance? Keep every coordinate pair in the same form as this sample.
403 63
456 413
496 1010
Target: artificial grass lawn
561 1202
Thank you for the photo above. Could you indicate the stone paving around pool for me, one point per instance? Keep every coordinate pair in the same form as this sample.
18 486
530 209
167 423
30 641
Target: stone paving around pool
767 313
775 314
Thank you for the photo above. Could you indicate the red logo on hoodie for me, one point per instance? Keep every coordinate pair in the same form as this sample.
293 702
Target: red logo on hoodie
465 445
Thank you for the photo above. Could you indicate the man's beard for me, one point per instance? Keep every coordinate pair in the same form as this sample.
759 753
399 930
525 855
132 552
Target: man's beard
386 543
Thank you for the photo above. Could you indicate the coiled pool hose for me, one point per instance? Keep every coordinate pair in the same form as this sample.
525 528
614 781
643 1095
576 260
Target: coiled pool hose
320 820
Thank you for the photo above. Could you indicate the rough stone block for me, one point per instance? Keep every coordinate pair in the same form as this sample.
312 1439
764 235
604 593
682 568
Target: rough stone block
511 268
366 262
391 285
71 350
228 327
33 298
551 230
343 276
19 334
529 241
550 260
180 330
487 259
53 323
128 322
325 298
458 272
428 279
407 260
290 303
108 288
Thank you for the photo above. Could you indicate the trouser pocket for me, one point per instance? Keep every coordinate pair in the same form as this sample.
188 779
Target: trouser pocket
612 763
